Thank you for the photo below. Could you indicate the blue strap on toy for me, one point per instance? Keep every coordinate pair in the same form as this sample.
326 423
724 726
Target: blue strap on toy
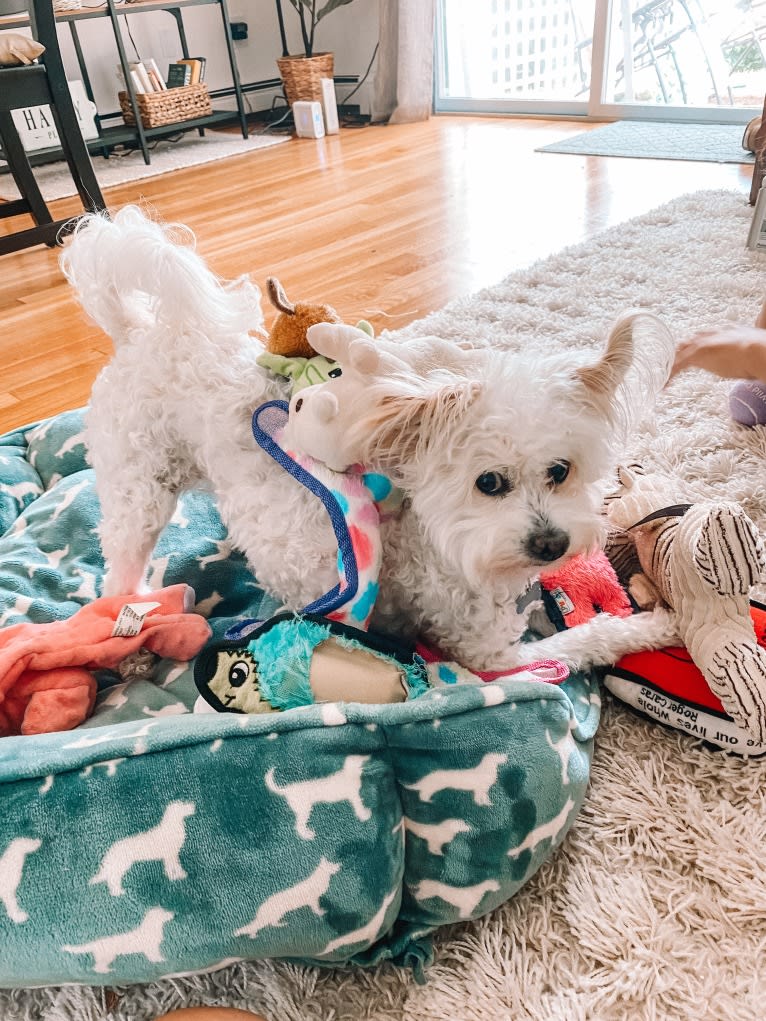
268 420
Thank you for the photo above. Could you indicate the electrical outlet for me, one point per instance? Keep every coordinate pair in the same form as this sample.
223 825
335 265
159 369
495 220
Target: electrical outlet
238 30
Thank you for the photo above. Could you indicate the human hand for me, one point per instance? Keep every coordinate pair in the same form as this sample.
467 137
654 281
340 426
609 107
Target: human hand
733 352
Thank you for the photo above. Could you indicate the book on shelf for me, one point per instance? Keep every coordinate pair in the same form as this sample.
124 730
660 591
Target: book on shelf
137 84
179 75
154 74
197 65
144 76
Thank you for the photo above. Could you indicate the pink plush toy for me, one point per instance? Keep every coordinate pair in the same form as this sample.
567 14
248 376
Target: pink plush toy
46 670
584 584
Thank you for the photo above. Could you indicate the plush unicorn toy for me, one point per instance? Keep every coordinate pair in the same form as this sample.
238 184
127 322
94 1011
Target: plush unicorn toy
322 418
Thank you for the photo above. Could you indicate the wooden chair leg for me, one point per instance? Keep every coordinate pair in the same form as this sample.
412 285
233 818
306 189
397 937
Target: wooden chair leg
21 171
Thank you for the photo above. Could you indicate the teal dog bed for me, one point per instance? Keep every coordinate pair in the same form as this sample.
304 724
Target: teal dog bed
154 840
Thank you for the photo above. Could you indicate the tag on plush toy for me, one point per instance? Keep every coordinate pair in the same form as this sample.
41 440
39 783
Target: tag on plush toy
563 601
130 619
667 687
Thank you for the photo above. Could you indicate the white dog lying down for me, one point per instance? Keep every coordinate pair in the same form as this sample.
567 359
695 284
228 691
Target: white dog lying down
501 456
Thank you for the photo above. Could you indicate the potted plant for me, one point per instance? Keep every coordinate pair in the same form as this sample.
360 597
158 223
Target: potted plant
301 74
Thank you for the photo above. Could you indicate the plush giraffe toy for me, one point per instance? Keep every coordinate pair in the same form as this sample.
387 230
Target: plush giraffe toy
701 560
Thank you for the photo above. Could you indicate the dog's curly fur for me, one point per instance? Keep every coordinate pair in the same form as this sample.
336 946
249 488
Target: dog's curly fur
502 460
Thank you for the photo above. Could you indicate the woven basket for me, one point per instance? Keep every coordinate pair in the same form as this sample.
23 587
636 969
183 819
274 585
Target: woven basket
60 6
168 107
301 76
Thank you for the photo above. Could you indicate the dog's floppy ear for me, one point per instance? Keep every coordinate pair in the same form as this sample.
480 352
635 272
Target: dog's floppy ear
602 379
632 370
404 413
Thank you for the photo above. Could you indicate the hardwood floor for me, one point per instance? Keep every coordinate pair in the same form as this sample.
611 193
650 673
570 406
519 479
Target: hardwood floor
385 223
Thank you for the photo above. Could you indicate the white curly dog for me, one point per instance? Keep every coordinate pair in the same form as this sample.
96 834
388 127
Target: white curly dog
502 457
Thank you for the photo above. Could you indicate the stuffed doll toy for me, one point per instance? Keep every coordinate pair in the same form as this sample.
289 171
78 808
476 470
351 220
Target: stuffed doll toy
291 661
288 350
701 560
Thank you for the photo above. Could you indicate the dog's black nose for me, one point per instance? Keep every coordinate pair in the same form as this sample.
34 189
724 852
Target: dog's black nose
546 544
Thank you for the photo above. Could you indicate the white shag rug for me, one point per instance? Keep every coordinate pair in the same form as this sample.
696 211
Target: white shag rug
654 907
190 150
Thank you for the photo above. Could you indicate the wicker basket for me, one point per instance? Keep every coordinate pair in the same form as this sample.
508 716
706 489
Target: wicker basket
61 6
158 108
301 76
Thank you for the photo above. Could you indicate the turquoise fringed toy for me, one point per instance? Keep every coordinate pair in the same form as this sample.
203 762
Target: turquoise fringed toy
292 661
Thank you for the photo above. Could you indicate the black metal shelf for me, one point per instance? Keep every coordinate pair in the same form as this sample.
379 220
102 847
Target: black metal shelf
111 136
102 11
122 134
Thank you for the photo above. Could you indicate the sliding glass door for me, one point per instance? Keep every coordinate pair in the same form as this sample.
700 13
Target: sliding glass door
664 59
515 54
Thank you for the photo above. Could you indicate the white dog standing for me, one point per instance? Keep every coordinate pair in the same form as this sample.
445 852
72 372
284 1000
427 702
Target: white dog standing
501 457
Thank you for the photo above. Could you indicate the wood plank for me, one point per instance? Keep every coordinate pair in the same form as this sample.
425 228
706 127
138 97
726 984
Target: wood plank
384 223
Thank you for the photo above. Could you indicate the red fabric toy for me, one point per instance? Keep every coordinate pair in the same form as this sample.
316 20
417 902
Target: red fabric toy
583 586
666 686
46 679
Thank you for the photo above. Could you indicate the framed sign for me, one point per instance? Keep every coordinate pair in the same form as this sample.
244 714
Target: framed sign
36 126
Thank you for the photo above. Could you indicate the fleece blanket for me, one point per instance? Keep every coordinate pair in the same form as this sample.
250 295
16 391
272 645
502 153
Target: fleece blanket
155 841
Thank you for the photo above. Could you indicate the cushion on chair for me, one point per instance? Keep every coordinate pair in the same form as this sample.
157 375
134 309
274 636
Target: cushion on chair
154 840
18 49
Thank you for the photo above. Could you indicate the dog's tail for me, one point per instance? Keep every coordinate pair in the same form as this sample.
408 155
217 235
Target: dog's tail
130 272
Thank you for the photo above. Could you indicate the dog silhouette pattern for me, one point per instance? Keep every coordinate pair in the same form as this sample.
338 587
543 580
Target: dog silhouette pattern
163 842
12 863
155 841
304 795
145 939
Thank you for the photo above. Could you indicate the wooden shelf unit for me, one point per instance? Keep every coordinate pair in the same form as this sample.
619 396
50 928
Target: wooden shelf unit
120 134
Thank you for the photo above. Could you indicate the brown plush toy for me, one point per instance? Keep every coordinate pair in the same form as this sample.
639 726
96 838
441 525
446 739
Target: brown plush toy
288 334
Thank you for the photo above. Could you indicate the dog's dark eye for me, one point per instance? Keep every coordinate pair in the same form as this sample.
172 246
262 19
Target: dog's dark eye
238 674
334 373
298 404
559 472
493 484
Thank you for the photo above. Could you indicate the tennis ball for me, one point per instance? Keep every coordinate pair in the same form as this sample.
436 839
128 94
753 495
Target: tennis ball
209 1014
747 402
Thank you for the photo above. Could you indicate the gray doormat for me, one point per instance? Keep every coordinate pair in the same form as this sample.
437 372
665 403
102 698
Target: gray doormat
659 140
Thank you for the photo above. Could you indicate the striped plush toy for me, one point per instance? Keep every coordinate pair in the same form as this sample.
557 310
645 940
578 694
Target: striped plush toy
700 559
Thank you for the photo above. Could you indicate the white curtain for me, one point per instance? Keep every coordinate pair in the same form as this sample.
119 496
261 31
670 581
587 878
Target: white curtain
403 89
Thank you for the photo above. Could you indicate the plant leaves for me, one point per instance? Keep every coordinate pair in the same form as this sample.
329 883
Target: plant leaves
330 6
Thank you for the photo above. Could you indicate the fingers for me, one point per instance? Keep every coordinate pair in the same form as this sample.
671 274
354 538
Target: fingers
686 352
